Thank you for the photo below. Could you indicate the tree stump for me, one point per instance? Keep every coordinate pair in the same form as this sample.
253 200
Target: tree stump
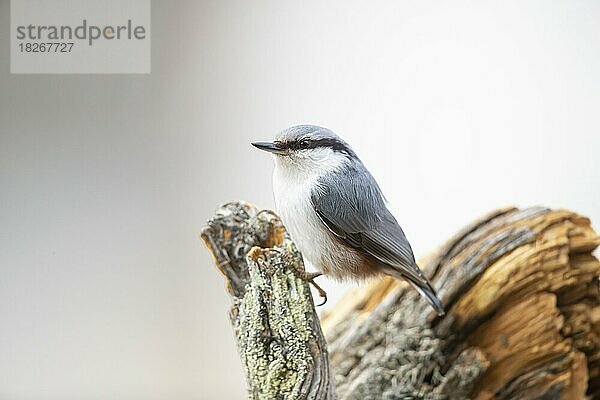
521 291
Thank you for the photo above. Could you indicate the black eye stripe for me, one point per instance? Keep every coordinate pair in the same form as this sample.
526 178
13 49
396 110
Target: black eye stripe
303 143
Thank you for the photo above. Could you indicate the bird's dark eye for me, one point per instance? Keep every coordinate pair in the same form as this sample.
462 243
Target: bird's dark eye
304 144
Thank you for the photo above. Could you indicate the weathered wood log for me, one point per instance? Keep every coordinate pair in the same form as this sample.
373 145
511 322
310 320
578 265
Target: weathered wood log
523 313
521 288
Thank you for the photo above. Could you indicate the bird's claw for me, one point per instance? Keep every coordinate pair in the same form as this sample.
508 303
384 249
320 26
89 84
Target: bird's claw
323 295
310 278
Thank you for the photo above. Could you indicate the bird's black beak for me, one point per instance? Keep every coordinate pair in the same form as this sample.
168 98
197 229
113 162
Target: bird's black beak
270 147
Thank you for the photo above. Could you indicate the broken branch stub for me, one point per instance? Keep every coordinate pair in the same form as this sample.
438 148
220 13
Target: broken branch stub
283 352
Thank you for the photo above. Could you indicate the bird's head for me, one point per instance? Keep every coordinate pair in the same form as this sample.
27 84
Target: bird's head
307 146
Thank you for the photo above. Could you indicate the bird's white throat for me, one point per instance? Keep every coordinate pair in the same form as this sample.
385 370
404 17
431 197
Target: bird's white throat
307 166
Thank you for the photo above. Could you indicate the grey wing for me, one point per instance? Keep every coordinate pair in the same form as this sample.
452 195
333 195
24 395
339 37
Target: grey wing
353 208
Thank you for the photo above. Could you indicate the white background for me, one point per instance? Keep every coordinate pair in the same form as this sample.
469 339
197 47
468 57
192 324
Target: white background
106 180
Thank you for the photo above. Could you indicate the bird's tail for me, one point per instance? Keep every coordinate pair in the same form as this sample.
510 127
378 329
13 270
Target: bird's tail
426 290
416 278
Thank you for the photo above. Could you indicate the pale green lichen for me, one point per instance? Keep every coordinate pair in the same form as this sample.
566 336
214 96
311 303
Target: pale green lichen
274 326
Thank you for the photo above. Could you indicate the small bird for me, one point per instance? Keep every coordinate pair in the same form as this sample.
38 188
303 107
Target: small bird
336 213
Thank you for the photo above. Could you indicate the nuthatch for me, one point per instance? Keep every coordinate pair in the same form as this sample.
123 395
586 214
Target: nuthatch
335 211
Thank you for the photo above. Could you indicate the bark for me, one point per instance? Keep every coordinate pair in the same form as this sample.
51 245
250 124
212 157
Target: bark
523 314
279 338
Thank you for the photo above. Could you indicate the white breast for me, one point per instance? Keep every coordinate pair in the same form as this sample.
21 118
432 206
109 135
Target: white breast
292 187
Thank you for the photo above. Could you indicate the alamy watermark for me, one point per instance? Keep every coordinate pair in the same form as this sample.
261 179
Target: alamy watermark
80 36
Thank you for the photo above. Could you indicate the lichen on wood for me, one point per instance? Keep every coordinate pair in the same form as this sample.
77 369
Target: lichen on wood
279 338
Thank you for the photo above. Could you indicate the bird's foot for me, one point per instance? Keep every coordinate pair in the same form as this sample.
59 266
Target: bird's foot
310 278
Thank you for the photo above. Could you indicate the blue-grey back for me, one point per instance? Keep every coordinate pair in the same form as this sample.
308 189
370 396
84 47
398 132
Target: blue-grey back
351 204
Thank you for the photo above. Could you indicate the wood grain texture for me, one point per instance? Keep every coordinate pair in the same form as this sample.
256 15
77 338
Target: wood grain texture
521 291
